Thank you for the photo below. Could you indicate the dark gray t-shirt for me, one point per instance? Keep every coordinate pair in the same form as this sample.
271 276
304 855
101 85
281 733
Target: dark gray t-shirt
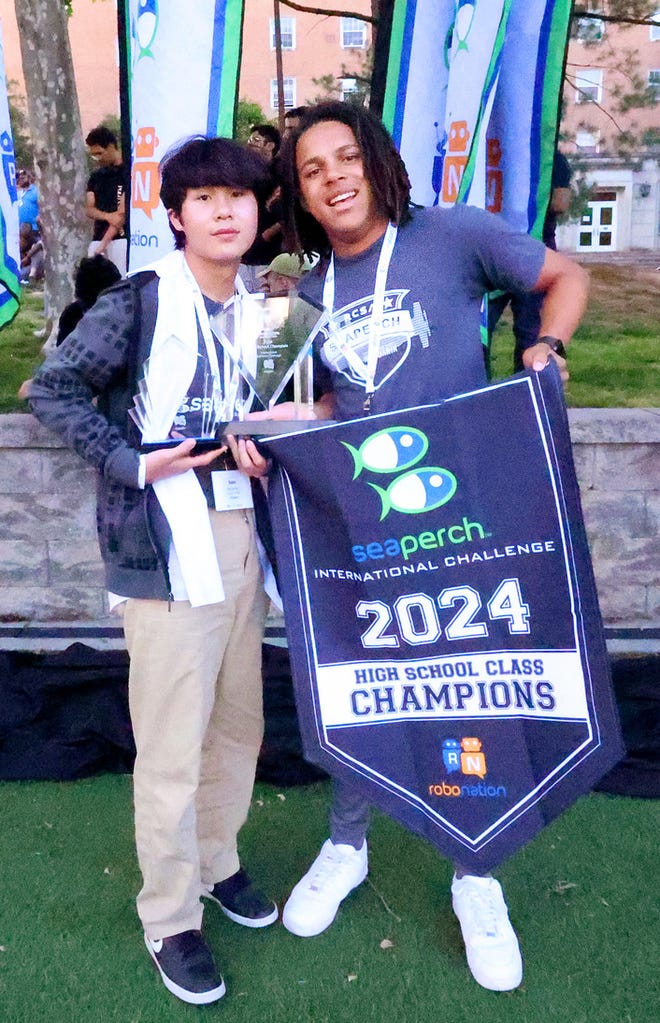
443 263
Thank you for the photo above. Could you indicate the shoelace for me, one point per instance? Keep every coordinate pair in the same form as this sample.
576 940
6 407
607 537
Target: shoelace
484 913
331 863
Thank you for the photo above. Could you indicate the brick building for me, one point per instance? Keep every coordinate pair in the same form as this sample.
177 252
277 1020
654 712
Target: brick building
617 150
312 47
624 211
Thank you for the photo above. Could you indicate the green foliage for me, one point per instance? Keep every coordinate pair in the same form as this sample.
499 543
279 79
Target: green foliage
247 114
330 84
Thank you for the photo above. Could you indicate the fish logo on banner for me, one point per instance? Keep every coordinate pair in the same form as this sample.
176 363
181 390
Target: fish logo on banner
411 493
145 28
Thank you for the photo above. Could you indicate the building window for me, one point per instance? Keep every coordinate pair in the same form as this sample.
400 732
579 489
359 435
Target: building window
587 141
589 85
654 83
287 32
589 30
289 86
348 88
654 30
353 34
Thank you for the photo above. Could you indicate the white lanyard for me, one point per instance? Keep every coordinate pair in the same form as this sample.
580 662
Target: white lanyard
232 352
365 370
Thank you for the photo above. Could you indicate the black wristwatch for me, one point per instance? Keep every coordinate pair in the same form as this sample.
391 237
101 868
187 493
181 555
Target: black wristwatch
554 343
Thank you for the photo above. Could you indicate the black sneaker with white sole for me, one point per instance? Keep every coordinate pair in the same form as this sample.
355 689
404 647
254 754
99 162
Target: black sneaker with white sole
243 902
186 966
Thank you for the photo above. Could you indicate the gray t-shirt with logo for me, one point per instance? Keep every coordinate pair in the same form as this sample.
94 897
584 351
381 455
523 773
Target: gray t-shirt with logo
443 263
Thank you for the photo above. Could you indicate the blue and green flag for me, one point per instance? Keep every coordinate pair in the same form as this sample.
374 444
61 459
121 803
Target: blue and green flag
182 78
10 284
472 98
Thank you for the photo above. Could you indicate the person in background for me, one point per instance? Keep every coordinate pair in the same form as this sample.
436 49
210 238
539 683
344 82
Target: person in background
292 119
93 275
265 140
283 273
28 200
526 307
105 200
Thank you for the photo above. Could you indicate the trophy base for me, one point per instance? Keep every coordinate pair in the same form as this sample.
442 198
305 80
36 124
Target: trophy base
202 444
239 428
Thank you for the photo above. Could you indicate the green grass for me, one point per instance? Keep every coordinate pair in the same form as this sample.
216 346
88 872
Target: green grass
614 358
20 350
582 896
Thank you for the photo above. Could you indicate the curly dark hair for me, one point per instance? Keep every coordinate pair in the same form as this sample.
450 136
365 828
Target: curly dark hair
204 162
383 166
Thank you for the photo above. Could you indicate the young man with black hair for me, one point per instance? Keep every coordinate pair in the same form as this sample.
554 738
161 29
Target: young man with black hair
180 552
104 200
347 196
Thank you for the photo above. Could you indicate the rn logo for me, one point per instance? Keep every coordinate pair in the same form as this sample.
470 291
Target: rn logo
415 491
467 757
145 182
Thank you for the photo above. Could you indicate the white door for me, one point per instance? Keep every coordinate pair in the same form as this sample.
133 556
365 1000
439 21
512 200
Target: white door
597 232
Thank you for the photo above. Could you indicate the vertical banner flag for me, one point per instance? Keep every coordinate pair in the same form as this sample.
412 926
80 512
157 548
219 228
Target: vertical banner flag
443 624
10 260
182 65
487 77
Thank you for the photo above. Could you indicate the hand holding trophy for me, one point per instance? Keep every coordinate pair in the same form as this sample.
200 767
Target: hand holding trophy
257 345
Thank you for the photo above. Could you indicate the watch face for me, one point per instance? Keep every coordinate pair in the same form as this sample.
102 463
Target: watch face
554 343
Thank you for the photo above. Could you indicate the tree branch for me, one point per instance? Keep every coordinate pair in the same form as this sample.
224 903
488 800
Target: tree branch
329 13
594 102
577 13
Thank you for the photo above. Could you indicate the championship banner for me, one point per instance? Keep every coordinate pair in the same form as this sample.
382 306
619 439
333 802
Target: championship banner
182 65
10 259
487 77
442 617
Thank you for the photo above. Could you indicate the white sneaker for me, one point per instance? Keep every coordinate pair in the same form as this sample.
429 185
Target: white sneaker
313 903
491 945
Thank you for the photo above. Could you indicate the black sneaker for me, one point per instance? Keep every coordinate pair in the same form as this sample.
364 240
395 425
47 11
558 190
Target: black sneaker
242 902
186 965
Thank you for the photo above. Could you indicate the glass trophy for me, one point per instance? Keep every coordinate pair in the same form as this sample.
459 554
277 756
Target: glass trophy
259 346
276 335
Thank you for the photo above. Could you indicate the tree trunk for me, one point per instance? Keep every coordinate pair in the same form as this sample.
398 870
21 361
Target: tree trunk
60 161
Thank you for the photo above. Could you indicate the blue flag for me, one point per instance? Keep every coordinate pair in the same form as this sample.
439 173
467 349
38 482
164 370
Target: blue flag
10 284
472 101
182 62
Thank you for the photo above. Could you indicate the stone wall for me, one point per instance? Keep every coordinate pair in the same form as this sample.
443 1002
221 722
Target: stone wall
49 563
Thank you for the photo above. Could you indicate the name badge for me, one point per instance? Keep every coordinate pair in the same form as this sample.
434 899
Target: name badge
231 490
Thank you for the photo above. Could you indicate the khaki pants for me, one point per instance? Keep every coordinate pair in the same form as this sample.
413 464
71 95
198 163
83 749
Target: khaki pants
195 696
